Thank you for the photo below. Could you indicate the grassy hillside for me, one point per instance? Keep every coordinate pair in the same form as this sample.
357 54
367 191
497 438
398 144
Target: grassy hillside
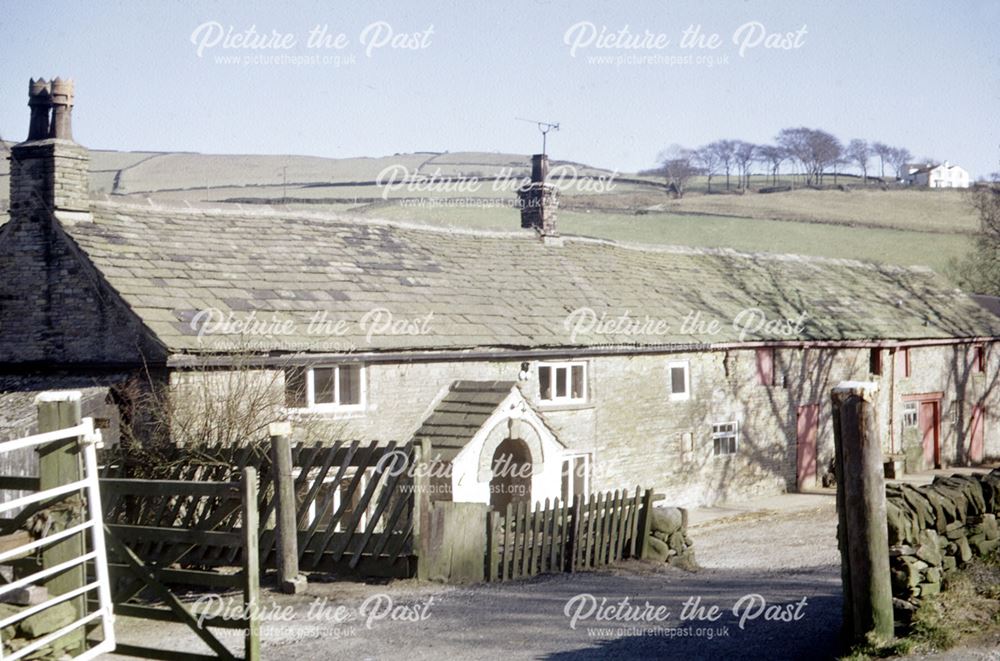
875 222
905 247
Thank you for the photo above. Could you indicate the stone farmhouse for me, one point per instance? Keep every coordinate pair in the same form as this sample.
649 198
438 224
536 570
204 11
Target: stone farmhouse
591 364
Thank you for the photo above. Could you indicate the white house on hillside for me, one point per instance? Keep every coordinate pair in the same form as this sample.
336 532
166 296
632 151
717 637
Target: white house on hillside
943 175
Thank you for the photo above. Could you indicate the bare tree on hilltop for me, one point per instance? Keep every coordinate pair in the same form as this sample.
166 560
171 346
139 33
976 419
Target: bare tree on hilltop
899 157
814 153
772 156
708 160
813 149
744 154
677 165
859 152
725 152
884 153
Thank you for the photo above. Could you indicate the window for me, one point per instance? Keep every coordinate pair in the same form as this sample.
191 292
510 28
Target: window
875 362
680 380
562 382
980 358
575 476
724 436
903 365
910 414
765 366
330 387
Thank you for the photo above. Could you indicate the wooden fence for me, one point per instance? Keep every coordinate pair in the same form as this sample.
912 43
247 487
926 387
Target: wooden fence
354 509
594 532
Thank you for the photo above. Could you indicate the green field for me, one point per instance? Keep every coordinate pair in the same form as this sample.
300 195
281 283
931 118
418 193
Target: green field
904 247
874 222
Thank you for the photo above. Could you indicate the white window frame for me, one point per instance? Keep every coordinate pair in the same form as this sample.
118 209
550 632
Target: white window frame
911 415
568 365
588 466
312 405
735 433
679 396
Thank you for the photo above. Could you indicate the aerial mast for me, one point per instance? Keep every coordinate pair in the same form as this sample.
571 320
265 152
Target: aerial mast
544 127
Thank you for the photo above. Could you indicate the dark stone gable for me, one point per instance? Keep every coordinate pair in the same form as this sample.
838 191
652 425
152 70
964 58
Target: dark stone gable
56 308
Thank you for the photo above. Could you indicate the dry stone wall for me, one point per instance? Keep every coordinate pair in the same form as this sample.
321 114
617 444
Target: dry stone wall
937 528
668 539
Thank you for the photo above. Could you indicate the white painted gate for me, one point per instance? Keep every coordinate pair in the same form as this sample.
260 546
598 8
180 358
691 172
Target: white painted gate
92 527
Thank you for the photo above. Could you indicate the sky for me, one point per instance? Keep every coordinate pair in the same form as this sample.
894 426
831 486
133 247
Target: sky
394 77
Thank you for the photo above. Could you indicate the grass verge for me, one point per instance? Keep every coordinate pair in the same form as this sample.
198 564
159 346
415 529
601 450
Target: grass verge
968 607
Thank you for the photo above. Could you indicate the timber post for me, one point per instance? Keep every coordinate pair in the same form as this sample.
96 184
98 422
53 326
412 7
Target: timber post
421 504
862 531
645 522
290 581
251 565
59 463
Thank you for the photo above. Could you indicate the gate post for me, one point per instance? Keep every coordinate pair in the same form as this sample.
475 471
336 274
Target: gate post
645 523
286 521
251 564
59 463
862 532
421 505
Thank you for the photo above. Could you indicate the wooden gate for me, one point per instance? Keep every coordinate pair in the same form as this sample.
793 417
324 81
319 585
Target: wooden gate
354 508
354 504
594 532
154 526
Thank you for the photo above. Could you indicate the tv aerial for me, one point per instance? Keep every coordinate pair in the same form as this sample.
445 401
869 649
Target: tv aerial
544 127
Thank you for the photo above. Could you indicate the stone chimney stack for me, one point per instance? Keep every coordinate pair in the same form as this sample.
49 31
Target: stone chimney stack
49 172
538 199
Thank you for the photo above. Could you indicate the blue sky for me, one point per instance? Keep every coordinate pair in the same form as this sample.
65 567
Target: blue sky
924 75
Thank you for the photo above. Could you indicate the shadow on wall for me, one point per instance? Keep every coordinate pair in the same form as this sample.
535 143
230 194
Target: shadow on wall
768 434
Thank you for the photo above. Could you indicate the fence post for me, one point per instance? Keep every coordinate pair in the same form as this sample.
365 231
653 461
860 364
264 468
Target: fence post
863 537
492 546
59 463
251 565
421 504
290 580
645 522
573 531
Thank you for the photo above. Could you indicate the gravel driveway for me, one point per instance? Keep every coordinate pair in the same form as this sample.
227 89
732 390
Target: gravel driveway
783 558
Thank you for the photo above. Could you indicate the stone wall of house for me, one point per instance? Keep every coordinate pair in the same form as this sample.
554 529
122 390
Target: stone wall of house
54 307
948 372
637 435
937 528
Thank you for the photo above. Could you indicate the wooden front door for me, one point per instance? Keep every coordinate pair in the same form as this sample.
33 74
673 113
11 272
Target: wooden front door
808 430
976 434
930 432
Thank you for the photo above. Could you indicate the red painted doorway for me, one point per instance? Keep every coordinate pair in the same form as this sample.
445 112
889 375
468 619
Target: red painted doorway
930 432
808 431
976 434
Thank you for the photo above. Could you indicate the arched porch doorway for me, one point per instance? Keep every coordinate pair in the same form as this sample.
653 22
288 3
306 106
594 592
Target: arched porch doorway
512 471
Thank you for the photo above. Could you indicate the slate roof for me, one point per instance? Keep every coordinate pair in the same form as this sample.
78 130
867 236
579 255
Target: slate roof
473 289
463 410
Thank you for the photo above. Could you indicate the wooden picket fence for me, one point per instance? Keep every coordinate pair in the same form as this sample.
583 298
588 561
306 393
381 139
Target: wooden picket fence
353 509
594 532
